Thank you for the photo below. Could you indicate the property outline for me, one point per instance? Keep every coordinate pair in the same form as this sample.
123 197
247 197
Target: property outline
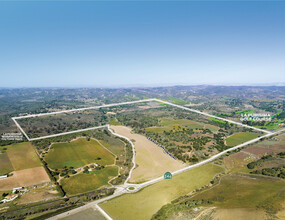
117 104
122 189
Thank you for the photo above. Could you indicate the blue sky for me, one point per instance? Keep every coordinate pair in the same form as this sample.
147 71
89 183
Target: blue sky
106 44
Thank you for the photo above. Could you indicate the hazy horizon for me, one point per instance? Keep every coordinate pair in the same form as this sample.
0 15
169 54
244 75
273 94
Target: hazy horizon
147 86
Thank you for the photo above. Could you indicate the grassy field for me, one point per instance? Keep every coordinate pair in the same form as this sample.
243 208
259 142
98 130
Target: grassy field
240 138
114 121
217 120
88 182
18 157
245 111
22 160
86 214
5 164
178 101
245 191
143 204
115 149
78 153
23 156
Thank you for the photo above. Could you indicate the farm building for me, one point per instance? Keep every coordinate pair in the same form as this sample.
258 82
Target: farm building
17 189
4 176
9 198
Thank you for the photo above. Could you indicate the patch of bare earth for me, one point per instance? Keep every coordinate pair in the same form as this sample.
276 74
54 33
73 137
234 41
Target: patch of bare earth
23 178
236 159
150 159
239 214
36 196
259 151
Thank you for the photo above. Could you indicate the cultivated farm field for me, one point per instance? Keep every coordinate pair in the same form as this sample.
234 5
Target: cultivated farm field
23 163
84 182
5 164
18 157
78 153
143 204
26 177
246 194
240 138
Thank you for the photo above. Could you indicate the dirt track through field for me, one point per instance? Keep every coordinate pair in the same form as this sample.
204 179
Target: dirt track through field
27 177
151 160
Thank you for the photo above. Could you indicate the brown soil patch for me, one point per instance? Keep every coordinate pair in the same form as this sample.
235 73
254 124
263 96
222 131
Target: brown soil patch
36 196
258 151
238 159
27 177
239 214
151 160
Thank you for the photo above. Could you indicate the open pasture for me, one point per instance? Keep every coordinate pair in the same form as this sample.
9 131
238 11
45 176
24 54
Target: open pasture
18 157
78 153
143 204
245 191
23 156
5 164
240 138
87 214
84 182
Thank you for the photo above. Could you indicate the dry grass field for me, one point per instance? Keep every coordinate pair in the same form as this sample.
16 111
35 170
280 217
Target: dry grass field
27 169
246 197
151 160
87 214
143 204
38 194
19 157
27 177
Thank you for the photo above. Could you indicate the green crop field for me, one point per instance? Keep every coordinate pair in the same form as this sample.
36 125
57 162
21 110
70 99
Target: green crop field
245 191
217 120
23 156
114 121
88 182
78 153
18 157
5 164
118 149
178 101
245 111
145 203
180 122
240 138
